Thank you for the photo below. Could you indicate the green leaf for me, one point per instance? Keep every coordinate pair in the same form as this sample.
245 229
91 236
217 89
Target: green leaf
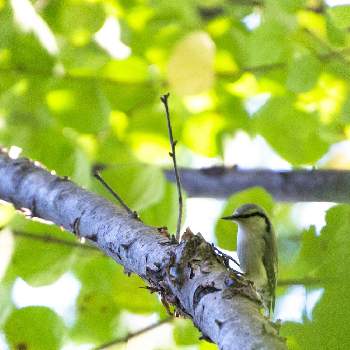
140 186
51 260
329 256
226 231
127 97
311 256
303 72
106 290
101 275
34 328
294 134
335 240
185 333
200 133
130 70
165 212
6 305
28 54
79 105
96 319
340 16
268 45
76 20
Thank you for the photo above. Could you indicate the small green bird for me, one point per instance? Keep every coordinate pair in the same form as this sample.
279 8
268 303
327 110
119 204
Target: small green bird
257 250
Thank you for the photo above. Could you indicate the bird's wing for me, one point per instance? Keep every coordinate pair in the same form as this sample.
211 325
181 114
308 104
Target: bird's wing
270 261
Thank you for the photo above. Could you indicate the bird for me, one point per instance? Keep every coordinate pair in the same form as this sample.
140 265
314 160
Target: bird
257 251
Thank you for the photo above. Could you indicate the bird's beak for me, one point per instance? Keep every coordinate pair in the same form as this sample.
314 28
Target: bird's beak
231 217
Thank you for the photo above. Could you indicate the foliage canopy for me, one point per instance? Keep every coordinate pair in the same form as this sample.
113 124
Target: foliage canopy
278 69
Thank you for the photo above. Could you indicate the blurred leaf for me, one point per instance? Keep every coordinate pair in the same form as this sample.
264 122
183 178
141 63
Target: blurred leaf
268 45
340 15
77 20
87 60
303 72
28 54
34 328
79 105
312 254
278 121
226 231
126 97
165 212
200 133
191 65
6 305
335 240
328 253
138 185
185 333
51 260
96 319
129 70
105 292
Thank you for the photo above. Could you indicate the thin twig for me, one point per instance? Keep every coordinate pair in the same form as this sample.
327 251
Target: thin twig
49 239
306 281
132 335
114 194
172 154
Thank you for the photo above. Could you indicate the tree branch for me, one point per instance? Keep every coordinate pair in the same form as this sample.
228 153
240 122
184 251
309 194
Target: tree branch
98 176
133 335
53 240
172 154
189 275
284 185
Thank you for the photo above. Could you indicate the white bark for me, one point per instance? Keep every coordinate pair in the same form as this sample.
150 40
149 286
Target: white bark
189 275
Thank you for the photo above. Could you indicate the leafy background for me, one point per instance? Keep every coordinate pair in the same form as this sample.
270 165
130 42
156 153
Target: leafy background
80 82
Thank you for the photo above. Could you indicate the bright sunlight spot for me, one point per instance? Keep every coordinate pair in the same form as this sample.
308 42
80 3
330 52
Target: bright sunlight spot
108 37
29 20
60 295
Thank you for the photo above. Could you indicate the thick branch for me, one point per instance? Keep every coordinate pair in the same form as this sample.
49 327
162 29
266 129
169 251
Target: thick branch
288 186
188 275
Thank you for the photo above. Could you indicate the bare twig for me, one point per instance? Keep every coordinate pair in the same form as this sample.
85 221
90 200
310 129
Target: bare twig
49 239
98 176
132 335
172 154
306 281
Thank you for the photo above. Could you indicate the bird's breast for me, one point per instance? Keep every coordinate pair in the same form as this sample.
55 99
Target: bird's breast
250 252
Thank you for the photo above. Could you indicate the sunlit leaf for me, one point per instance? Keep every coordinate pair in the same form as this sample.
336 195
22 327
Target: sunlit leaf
265 51
191 65
185 333
278 121
340 15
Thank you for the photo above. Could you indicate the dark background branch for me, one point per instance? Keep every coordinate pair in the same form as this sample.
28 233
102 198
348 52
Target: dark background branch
284 185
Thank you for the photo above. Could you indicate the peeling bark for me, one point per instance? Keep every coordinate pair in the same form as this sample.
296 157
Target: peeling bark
284 185
190 275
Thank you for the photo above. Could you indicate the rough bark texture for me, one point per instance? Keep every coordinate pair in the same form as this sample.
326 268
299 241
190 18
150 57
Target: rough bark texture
190 275
288 185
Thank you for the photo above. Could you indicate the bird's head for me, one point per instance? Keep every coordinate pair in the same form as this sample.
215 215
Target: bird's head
250 215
